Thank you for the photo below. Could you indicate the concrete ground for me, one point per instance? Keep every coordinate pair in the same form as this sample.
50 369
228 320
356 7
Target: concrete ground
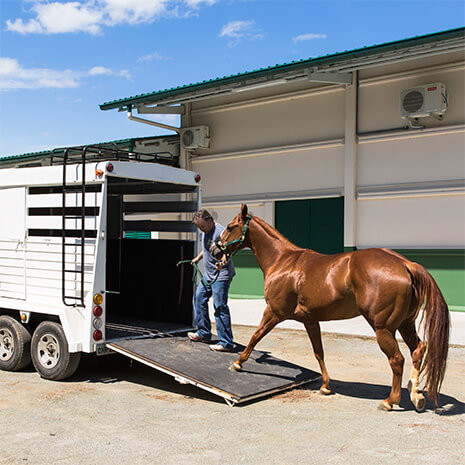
115 412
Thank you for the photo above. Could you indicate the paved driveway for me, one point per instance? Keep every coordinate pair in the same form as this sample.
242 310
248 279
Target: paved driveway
115 412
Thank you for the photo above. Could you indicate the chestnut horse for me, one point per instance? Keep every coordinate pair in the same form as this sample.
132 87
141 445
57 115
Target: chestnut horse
383 286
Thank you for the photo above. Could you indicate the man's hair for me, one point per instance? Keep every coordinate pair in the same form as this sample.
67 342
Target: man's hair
202 214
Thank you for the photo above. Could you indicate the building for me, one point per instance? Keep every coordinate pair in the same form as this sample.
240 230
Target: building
318 148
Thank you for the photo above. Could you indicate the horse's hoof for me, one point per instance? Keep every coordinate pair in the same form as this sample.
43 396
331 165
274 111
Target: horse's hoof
324 391
385 406
235 367
418 400
419 403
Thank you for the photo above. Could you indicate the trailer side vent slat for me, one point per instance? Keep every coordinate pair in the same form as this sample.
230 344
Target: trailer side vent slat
88 233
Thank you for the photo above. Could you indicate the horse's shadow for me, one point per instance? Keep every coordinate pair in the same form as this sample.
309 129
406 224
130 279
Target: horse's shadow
448 405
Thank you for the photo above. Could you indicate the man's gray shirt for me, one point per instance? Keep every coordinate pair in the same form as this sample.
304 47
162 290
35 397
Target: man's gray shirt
228 272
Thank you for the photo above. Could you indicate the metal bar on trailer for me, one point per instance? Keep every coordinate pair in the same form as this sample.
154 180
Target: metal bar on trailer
159 207
63 231
89 233
163 226
83 221
35 190
59 211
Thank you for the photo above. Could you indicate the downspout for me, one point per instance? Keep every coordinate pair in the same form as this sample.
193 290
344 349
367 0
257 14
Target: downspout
152 123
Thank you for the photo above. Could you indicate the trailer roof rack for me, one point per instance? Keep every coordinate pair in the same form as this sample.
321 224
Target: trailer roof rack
92 152
96 153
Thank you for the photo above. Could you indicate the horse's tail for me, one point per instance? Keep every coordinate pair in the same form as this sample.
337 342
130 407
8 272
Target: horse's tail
436 328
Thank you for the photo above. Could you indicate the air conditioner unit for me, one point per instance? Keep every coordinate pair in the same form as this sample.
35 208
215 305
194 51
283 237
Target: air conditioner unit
197 137
422 101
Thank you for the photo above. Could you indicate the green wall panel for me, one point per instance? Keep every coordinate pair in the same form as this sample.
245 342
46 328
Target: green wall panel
316 224
319 225
447 268
248 282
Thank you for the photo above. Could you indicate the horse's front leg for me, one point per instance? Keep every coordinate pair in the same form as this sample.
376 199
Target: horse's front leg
269 321
314 333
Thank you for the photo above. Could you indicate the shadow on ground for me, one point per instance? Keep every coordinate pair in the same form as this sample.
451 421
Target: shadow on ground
115 368
448 405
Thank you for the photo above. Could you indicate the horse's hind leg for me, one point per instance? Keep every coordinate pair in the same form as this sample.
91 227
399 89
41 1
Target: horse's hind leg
417 350
388 344
314 333
269 321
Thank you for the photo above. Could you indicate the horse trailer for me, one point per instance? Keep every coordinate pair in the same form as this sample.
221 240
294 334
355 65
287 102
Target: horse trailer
88 251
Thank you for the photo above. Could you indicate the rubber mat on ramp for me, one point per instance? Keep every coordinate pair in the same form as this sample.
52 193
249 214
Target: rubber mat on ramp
194 363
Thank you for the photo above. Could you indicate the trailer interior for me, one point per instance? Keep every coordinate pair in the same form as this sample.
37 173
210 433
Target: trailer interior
149 231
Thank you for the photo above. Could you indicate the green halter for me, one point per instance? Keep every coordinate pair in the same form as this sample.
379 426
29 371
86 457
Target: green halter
240 240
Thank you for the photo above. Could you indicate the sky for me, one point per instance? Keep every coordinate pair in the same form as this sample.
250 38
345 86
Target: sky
60 59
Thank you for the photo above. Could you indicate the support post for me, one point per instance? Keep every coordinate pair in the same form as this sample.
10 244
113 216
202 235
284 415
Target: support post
350 164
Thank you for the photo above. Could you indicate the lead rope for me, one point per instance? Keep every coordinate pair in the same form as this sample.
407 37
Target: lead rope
197 270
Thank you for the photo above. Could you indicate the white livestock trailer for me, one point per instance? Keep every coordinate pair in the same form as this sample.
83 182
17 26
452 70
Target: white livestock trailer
72 279
66 270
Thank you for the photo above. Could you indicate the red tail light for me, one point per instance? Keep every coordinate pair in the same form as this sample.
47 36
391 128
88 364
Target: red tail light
98 335
98 311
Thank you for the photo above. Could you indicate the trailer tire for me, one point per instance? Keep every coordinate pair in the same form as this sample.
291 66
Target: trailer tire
50 354
15 341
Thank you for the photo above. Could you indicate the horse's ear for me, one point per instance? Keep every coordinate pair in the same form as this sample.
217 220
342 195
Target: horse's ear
244 211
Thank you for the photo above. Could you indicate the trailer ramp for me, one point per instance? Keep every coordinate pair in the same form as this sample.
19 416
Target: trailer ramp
194 363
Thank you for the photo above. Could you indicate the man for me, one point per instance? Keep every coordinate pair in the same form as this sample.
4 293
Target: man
219 289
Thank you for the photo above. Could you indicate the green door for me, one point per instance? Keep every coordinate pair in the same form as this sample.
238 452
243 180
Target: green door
316 224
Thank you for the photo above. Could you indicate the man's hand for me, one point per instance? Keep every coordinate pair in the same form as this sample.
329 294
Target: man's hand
219 265
197 259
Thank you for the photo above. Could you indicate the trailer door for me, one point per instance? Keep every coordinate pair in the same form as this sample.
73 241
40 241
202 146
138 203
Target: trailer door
12 243
194 363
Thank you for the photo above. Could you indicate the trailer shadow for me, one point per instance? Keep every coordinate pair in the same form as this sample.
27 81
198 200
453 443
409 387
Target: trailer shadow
115 368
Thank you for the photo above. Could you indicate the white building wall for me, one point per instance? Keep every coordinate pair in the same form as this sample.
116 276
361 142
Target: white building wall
412 222
278 145
259 123
272 173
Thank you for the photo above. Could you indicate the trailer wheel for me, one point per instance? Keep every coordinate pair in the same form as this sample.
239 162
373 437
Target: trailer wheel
50 354
15 341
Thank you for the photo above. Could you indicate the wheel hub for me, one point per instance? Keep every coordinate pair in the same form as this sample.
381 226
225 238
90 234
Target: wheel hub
48 351
7 346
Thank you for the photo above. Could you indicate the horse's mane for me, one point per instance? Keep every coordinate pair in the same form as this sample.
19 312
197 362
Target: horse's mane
275 233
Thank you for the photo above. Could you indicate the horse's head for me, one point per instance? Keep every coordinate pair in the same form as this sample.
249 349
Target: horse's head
234 237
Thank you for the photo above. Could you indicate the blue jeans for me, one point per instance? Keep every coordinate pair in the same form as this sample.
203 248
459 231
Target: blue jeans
219 290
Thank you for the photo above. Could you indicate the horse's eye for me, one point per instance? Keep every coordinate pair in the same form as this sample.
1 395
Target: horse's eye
230 228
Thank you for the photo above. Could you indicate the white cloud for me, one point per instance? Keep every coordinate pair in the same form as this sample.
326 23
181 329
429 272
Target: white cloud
54 17
239 30
310 36
236 29
15 76
101 70
155 56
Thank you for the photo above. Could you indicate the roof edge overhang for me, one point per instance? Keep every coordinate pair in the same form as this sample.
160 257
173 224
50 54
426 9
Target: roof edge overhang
376 55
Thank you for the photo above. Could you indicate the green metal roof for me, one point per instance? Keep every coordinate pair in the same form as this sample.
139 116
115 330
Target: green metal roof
153 97
121 143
